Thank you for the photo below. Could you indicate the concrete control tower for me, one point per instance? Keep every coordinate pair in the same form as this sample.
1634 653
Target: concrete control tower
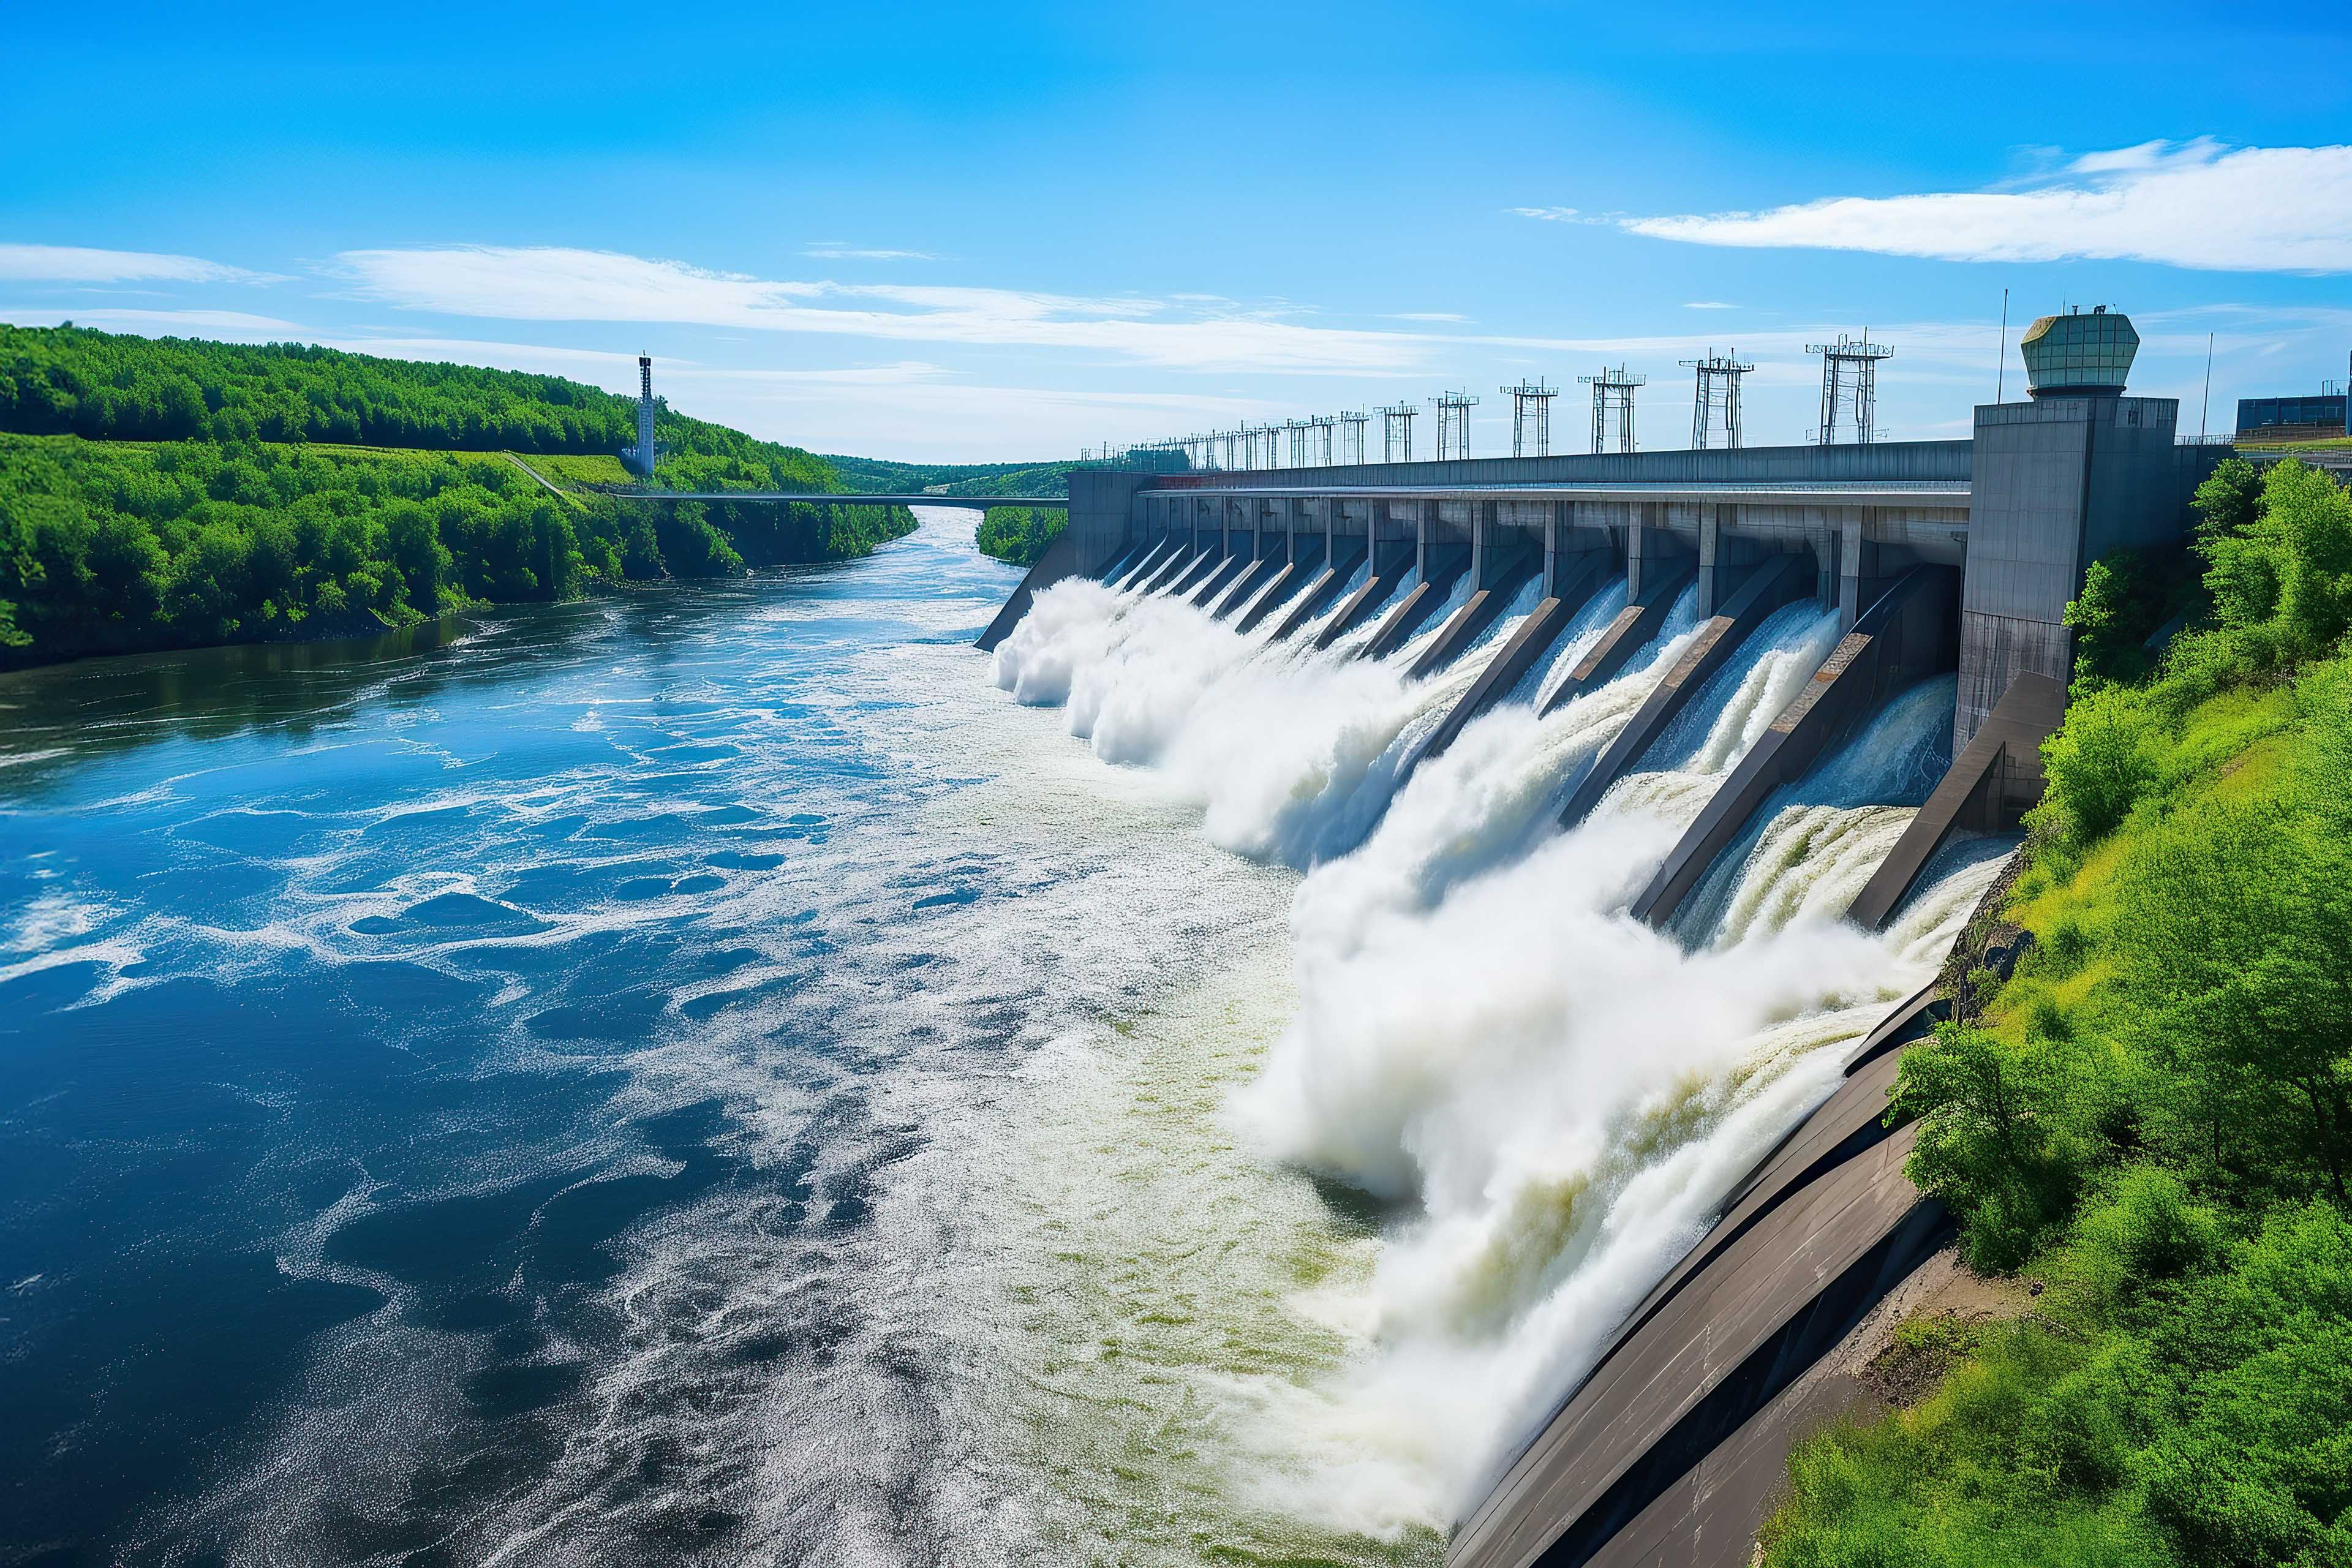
2077 470
2076 355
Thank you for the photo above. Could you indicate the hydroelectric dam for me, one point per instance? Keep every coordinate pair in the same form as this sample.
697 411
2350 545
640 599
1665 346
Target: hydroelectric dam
1921 577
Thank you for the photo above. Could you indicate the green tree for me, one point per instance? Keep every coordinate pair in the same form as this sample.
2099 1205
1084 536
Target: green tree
413 548
2229 499
2234 944
2101 760
1987 1144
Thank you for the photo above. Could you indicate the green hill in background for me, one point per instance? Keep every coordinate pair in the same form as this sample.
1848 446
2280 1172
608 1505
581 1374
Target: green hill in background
978 480
168 492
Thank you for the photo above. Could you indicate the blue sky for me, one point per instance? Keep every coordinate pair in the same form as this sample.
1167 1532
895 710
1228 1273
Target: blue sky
989 233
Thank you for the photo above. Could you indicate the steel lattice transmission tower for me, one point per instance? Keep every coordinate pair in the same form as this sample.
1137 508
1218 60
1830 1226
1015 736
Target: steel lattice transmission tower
1715 404
1318 439
1298 429
1396 433
1612 402
1454 423
1531 417
1352 435
1850 387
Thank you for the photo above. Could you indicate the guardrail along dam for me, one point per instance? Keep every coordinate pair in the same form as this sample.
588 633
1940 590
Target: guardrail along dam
1639 797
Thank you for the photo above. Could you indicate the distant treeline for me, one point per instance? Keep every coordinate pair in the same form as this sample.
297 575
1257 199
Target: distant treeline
1019 533
162 494
954 478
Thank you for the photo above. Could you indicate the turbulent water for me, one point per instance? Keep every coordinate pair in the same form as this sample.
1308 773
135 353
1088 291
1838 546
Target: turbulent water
711 1076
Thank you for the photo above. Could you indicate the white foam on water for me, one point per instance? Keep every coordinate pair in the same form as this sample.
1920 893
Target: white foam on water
1292 751
1557 1095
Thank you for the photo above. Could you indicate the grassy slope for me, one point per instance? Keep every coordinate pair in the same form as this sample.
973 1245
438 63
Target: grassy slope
579 469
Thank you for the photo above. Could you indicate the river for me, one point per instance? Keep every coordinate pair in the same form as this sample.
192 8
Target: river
729 1074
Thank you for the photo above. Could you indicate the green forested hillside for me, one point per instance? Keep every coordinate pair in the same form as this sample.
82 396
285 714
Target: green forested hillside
73 381
162 493
954 478
1019 534
2151 1118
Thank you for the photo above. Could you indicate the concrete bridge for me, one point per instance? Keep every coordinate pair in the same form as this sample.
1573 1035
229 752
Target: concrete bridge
1937 556
829 498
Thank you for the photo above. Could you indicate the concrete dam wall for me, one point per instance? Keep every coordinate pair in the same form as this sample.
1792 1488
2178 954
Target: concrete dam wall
1659 581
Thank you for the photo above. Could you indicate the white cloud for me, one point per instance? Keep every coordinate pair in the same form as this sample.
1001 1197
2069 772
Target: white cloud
1423 316
556 284
833 250
903 373
1710 305
2195 203
476 351
78 264
1548 214
236 322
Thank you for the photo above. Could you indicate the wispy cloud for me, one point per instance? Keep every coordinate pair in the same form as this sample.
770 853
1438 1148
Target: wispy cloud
2195 203
236 322
835 250
906 373
80 264
1423 316
1548 215
556 284
1710 305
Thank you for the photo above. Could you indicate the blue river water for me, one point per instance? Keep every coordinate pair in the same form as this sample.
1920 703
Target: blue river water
567 1088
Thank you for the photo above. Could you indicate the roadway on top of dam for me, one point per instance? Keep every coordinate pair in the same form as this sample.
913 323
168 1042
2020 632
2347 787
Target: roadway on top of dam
1843 492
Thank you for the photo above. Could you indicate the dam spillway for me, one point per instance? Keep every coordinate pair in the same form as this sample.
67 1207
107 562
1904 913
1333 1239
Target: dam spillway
1725 671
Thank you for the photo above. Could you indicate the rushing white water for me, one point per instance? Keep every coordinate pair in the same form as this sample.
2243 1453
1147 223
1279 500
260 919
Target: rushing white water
1292 751
1818 841
1553 1097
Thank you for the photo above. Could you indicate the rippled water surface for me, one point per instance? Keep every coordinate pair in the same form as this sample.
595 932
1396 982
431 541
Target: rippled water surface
697 1077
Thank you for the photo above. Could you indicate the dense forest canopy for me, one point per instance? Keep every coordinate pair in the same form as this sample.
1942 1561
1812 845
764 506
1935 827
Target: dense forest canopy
1019 534
159 493
2151 1115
